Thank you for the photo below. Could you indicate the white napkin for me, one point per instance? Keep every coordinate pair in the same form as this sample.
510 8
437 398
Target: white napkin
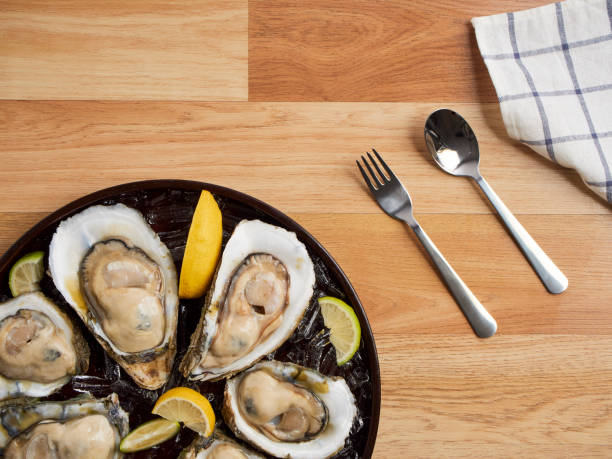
552 69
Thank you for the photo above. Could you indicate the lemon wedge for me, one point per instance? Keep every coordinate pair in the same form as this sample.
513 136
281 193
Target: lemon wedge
26 273
345 331
149 434
202 249
182 404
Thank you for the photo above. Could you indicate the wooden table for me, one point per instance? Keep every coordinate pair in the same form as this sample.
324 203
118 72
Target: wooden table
277 99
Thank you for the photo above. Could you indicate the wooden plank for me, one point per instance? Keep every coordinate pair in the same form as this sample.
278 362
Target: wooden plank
359 50
402 292
124 50
449 396
14 224
299 157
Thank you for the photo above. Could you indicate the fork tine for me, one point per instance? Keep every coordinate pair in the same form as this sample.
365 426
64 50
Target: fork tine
383 177
384 164
365 161
365 177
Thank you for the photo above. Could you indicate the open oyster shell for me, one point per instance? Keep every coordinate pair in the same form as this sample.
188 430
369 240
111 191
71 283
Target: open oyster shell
40 348
263 285
275 406
20 419
218 446
119 277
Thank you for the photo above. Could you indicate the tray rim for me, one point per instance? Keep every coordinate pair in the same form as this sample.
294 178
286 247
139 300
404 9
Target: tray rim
10 256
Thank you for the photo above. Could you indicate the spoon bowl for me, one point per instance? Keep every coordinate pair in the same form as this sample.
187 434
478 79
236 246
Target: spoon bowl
453 146
452 143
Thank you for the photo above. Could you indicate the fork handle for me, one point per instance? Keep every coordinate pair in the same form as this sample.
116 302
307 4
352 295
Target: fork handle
482 322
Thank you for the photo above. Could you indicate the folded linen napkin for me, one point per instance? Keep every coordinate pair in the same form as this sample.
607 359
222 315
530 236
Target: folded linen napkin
552 69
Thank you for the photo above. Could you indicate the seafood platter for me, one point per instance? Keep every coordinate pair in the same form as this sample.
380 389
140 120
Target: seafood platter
120 319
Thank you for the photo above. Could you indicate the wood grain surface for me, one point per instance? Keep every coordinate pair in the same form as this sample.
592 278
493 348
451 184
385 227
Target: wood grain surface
93 94
391 50
134 50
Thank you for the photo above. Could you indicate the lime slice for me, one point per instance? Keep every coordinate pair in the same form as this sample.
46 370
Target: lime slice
149 434
344 326
26 273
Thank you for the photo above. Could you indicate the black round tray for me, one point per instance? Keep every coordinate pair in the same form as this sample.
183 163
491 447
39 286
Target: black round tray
168 206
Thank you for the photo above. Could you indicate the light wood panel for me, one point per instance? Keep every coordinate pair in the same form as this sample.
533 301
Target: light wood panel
122 50
14 224
359 50
527 395
299 157
402 292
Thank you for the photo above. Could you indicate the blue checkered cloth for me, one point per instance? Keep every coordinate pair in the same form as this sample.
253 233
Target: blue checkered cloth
552 69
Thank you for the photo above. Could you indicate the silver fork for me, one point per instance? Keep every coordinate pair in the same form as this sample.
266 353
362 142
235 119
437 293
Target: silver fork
393 198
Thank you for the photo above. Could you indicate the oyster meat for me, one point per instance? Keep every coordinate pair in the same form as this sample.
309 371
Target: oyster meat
119 277
263 285
217 447
288 410
83 427
40 348
66 439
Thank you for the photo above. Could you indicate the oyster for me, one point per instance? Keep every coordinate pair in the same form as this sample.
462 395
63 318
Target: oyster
82 427
119 277
262 287
217 447
40 348
288 410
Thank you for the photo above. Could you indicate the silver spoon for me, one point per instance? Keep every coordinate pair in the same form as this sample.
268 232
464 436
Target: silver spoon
453 145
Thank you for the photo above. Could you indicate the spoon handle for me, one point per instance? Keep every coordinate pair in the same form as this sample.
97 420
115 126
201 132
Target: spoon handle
482 322
552 277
